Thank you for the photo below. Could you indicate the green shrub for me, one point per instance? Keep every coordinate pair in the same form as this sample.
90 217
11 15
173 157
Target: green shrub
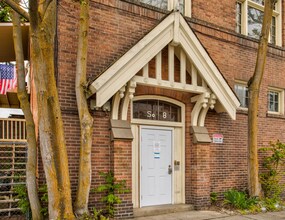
271 204
23 199
239 200
273 165
96 215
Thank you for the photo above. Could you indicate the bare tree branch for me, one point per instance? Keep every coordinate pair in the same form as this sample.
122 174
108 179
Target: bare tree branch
43 5
16 7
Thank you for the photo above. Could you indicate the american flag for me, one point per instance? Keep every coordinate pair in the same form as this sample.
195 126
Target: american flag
8 78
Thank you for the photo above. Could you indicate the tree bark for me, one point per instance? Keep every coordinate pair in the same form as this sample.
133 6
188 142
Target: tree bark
52 141
42 17
31 166
254 88
86 120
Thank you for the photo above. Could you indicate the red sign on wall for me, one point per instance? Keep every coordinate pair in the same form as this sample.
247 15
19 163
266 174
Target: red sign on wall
218 138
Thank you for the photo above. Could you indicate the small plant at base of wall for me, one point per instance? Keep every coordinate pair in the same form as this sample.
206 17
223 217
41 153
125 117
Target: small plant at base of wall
111 189
273 167
239 200
95 215
214 197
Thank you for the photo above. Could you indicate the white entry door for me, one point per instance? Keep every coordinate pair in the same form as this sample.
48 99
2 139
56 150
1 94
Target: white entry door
156 166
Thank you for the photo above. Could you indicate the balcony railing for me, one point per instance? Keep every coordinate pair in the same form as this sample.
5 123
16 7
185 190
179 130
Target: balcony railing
12 129
13 156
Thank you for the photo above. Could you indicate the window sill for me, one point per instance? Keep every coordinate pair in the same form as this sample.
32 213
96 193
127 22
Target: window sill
275 115
243 111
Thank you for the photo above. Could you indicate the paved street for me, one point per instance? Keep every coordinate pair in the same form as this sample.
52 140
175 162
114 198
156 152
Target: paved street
207 215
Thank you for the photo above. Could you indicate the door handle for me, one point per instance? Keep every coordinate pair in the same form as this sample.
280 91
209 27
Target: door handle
169 169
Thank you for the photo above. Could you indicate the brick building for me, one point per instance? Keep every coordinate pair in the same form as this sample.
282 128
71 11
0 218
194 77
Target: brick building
168 94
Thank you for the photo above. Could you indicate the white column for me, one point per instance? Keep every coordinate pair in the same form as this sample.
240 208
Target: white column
171 64
182 67
193 75
158 66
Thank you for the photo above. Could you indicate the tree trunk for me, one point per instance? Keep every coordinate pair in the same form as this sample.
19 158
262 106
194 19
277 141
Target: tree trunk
31 167
86 120
52 141
254 87
42 17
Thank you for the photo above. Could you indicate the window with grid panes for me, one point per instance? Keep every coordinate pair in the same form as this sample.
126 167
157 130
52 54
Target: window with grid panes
242 94
249 17
273 101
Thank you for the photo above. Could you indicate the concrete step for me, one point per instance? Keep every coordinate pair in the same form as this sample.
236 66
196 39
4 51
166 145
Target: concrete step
161 209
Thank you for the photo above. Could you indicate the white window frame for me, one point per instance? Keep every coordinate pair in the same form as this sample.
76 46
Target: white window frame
187 6
276 13
280 100
244 84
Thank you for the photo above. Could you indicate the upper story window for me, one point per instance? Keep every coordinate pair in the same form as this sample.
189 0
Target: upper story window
275 101
163 4
184 5
249 17
242 94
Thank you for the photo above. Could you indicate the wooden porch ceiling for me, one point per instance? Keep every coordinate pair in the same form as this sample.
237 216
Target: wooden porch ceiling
10 100
7 53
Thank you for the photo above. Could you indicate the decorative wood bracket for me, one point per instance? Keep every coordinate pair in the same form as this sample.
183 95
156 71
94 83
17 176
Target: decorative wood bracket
203 103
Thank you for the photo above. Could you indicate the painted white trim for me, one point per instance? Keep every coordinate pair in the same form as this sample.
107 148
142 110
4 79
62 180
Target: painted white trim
124 107
158 62
115 106
167 84
130 63
136 58
135 166
182 67
194 75
208 70
145 71
277 13
280 100
171 64
164 123
188 8
244 84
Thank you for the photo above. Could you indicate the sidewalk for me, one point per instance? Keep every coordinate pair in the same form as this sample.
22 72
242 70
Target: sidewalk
207 215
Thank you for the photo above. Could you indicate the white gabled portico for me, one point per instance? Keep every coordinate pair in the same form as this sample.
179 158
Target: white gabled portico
173 32
168 57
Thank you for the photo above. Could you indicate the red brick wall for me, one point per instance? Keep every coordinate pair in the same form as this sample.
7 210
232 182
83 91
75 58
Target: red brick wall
200 175
122 168
115 27
215 12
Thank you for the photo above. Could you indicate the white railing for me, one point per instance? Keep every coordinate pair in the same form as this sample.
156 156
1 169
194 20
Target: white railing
12 129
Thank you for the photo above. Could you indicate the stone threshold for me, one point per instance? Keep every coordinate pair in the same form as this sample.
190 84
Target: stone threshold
161 209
